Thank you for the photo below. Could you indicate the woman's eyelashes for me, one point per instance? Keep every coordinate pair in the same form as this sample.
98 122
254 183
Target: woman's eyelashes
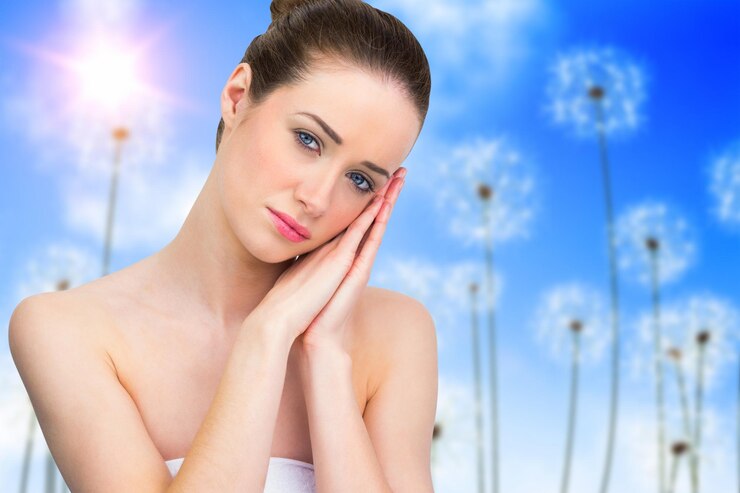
305 140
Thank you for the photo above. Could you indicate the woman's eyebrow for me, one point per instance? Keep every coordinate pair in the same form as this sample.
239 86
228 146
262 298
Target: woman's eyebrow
336 138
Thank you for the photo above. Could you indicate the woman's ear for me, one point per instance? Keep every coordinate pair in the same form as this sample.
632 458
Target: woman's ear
234 94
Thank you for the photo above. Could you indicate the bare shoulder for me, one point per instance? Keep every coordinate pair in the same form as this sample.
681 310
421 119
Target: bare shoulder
402 404
72 313
59 343
392 326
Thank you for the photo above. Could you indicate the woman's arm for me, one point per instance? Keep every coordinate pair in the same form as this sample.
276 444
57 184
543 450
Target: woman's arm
231 451
93 427
388 448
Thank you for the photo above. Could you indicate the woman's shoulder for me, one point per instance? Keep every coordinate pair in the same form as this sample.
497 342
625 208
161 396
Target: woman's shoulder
390 306
79 312
392 324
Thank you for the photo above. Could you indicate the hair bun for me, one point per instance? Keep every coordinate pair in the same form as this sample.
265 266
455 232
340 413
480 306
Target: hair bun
280 8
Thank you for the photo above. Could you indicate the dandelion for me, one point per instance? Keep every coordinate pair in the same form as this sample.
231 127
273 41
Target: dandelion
572 311
511 188
654 241
605 75
702 338
700 328
609 83
678 449
440 287
557 310
53 264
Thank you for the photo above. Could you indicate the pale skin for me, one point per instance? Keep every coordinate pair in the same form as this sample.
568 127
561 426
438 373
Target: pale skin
277 347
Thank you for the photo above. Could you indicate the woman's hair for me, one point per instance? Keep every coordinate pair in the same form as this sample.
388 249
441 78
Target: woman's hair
303 32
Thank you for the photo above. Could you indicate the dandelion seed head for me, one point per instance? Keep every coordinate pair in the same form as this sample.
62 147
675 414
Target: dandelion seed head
583 78
653 230
484 180
56 267
684 324
572 308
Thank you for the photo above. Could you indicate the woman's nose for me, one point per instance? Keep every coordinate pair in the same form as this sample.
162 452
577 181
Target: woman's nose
314 191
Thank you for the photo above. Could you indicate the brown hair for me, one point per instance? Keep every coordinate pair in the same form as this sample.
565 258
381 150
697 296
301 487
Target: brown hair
304 31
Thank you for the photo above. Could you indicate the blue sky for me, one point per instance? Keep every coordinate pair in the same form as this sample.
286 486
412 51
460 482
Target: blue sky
490 67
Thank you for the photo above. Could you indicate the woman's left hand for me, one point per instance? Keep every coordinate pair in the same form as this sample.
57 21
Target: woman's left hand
327 330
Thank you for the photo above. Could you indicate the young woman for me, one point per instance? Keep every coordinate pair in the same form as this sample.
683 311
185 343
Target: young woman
249 354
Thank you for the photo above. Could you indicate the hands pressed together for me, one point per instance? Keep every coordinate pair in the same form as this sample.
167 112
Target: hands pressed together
313 298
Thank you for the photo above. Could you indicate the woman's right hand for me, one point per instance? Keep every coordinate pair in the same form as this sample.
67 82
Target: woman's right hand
304 288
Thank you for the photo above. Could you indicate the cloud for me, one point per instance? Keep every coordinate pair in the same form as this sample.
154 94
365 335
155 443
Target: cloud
724 185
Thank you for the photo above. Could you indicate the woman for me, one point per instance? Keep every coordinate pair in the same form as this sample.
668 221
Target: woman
249 354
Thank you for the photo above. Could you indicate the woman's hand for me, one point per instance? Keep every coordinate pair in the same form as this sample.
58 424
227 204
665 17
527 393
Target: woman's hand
327 328
318 291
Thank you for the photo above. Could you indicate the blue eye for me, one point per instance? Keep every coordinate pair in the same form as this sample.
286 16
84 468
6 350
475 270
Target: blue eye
300 137
305 139
369 188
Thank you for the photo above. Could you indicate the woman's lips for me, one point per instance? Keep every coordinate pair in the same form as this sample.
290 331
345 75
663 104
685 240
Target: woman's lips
285 229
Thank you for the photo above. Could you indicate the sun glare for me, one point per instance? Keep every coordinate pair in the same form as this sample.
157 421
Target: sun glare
107 76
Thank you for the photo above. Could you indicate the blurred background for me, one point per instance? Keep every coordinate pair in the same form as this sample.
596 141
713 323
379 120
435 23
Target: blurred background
571 217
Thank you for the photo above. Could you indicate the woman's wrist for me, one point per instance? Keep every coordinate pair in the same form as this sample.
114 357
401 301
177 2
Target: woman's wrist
271 331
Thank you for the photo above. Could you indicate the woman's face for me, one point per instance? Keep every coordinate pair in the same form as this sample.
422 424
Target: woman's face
315 151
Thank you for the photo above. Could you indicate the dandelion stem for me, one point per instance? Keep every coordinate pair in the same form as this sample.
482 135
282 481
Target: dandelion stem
697 415
572 413
50 479
681 381
119 135
686 420
614 290
658 359
492 346
674 473
478 389
27 453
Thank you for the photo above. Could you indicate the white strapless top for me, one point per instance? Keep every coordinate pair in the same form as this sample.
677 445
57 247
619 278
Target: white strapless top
283 475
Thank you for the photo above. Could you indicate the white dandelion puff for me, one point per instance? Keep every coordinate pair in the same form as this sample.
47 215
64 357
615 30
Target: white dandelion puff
512 182
54 264
577 77
724 186
681 322
676 245
559 308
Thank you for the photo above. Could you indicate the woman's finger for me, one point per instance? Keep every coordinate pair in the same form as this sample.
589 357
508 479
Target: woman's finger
371 242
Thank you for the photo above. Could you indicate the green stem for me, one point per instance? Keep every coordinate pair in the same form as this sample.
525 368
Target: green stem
614 290
572 413
27 453
658 358
698 414
492 349
478 392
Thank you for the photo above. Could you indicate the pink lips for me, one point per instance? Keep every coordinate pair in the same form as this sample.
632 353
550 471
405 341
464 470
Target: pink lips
289 227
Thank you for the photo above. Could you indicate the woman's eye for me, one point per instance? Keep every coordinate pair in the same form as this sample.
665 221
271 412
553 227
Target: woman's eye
370 186
306 139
